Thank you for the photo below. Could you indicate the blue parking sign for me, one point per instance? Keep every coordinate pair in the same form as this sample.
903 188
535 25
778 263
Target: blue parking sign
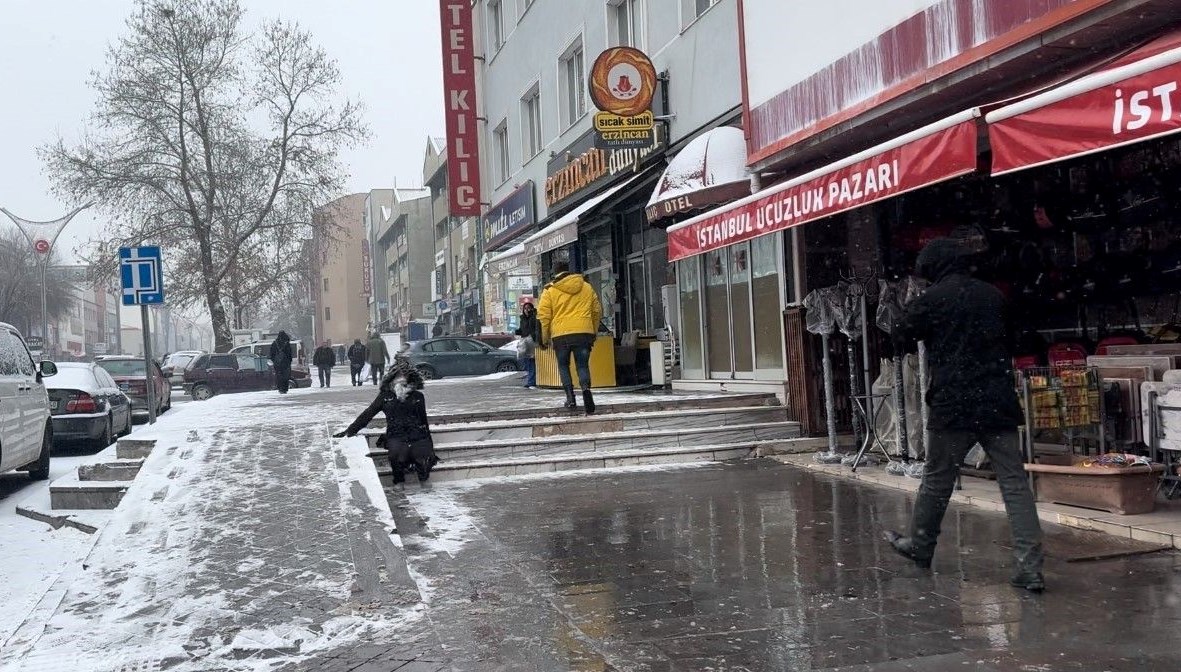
141 271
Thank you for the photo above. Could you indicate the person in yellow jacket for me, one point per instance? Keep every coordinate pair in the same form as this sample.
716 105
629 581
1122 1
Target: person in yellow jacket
570 313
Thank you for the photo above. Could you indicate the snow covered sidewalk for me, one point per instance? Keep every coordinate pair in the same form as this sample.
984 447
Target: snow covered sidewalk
249 541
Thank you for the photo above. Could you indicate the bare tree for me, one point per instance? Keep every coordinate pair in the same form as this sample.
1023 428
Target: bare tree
20 284
213 144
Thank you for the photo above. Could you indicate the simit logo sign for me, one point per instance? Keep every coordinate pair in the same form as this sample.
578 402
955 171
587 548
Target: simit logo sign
459 93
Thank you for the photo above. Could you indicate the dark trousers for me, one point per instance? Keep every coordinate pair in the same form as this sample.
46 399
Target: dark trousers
530 366
355 373
325 375
581 354
417 455
282 378
377 371
944 456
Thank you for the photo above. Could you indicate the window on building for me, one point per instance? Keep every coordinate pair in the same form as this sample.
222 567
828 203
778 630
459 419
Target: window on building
500 143
531 138
496 23
325 284
523 6
327 314
625 19
573 78
695 8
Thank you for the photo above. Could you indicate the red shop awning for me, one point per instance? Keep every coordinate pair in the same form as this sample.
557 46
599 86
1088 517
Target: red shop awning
941 151
1135 98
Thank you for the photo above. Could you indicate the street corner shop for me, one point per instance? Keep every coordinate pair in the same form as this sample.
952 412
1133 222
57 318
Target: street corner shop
1068 185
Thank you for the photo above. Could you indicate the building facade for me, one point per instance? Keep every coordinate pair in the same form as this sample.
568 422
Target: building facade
379 209
457 281
550 194
409 244
341 300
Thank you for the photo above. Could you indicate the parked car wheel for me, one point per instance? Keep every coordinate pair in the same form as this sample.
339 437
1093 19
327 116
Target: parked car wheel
428 372
39 470
505 367
106 438
202 393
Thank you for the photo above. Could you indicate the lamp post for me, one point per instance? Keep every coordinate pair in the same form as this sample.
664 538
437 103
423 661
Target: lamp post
42 236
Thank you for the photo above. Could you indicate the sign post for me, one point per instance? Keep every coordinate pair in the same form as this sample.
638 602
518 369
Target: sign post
141 275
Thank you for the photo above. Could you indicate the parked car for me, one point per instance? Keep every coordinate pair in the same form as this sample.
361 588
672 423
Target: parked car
130 374
450 356
174 365
221 373
86 404
26 432
494 340
298 362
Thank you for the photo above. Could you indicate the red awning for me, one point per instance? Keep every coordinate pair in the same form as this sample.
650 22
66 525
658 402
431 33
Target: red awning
1135 98
941 151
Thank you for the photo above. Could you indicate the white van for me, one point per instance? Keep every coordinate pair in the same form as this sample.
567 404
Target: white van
26 432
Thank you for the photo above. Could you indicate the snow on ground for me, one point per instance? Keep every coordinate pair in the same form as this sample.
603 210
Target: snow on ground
157 583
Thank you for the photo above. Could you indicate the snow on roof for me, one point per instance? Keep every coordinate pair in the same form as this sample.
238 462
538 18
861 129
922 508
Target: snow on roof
714 158
411 194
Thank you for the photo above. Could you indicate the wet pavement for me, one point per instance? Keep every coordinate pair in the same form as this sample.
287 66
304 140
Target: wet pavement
757 566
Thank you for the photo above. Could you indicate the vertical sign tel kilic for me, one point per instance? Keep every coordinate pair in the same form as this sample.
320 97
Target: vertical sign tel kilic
459 103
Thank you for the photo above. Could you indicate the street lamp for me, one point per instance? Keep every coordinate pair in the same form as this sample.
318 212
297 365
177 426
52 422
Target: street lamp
42 236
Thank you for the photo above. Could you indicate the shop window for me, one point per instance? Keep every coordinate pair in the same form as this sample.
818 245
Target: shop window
740 315
717 304
657 263
689 290
637 295
766 302
572 69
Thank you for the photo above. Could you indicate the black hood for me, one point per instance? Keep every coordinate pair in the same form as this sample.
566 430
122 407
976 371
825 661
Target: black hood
283 337
940 258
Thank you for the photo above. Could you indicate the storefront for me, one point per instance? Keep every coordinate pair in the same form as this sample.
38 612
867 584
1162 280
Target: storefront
507 274
596 199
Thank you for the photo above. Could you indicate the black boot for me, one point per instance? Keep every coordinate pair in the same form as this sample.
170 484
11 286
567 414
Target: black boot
588 401
570 402
904 546
1034 582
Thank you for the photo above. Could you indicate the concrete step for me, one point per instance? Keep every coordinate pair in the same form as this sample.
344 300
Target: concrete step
110 471
608 442
68 494
607 404
518 466
517 430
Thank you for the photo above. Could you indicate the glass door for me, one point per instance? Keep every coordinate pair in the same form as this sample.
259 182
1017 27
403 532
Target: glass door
637 295
717 306
740 316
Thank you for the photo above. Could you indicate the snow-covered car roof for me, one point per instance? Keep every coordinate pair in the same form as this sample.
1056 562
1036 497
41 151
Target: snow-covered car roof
72 376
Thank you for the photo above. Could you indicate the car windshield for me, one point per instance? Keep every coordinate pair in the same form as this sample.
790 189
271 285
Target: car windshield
123 367
179 361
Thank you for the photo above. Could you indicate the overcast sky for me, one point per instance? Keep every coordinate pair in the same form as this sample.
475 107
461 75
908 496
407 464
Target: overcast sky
388 51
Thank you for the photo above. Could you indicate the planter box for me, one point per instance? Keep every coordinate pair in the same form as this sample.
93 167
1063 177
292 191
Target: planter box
1129 490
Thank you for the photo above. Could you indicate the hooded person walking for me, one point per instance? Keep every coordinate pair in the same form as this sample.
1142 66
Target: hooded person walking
570 313
324 359
407 436
281 357
357 355
530 333
379 356
972 400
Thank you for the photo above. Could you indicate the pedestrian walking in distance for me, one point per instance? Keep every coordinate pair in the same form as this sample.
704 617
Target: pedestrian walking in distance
379 356
324 359
407 436
972 400
357 355
281 357
570 313
530 333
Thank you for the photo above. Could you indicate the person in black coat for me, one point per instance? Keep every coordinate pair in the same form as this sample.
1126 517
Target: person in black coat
530 333
324 359
972 399
407 431
358 354
281 357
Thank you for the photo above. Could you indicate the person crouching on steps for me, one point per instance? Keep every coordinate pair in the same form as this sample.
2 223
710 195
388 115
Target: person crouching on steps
407 435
